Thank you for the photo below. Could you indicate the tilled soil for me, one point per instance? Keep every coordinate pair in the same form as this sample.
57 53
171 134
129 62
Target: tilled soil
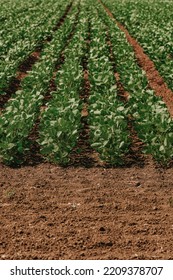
50 212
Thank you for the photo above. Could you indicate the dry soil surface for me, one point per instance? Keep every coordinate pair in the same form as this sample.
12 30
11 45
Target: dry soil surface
51 212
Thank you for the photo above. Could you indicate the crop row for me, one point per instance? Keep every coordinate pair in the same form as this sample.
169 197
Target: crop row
60 118
16 28
21 111
19 43
15 10
149 113
107 115
60 122
150 22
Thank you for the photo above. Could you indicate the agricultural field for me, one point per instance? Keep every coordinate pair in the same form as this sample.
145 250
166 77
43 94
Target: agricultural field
86 129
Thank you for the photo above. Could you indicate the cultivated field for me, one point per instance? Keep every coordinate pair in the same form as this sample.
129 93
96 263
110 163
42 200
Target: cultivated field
86 129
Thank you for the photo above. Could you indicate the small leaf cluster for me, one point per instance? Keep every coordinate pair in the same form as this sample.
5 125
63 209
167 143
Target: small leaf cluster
154 125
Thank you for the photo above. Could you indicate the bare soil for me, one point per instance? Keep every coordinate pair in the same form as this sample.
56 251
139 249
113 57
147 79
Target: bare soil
51 212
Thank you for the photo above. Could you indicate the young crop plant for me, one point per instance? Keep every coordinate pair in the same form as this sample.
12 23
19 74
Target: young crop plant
59 129
21 112
150 22
18 43
149 113
60 122
154 126
109 134
15 125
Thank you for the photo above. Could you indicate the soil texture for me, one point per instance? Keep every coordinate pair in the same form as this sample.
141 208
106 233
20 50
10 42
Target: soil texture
50 212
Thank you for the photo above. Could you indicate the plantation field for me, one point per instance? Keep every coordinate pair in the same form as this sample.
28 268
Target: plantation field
86 129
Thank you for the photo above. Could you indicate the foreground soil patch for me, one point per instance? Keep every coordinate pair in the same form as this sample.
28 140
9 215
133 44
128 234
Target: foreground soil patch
49 212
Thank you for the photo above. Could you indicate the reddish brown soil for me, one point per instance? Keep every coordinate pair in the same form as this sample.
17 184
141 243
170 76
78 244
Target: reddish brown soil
49 212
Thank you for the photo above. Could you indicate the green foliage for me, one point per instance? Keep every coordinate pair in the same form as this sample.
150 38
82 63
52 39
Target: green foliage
21 111
154 126
23 30
107 115
59 128
60 122
150 115
26 24
150 22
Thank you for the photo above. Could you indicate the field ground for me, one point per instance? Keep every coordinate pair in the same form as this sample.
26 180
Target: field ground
48 212
88 210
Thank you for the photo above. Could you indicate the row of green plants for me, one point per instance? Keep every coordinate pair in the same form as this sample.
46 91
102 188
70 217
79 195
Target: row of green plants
148 112
17 44
109 134
60 122
17 26
60 119
150 22
16 10
21 111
